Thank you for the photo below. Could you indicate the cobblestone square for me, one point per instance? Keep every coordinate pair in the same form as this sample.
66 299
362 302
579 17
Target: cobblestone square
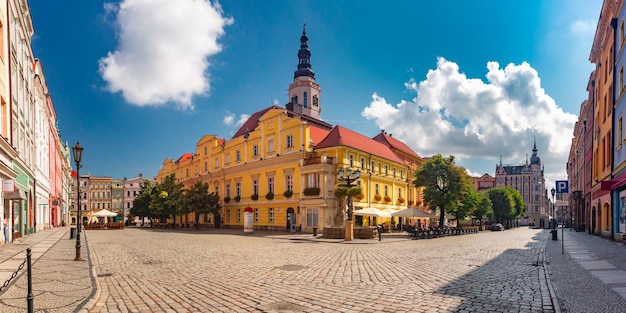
145 270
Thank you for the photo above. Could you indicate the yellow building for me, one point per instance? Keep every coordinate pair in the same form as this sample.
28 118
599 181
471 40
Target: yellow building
283 163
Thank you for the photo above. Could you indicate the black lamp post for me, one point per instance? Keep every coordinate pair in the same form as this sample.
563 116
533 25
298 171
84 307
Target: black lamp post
553 212
348 177
78 155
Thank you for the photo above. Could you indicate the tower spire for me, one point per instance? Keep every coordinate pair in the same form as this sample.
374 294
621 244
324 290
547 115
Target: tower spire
535 159
304 92
304 57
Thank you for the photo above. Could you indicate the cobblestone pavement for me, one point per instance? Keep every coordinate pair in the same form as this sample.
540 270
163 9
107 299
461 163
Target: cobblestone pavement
144 270
59 283
577 288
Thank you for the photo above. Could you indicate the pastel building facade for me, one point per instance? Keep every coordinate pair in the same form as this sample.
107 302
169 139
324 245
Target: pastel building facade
283 163
529 181
603 121
483 183
132 187
34 170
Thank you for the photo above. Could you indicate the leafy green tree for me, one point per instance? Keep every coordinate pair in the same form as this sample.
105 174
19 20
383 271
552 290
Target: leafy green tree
443 182
520 206
141 203
468 202
167 199
503 203
198 200
484 210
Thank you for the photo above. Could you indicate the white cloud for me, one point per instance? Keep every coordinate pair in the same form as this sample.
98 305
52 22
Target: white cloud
242 119
229 118
583 28
479 121
163 50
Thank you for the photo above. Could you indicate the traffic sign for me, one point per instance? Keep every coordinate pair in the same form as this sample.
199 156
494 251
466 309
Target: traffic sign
562 186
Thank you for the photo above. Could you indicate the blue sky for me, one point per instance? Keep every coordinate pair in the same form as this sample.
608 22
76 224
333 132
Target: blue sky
139 81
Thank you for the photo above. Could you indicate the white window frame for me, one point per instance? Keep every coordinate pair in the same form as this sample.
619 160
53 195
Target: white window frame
312 217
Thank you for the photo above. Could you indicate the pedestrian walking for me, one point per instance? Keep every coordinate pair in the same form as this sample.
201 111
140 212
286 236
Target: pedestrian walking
5 229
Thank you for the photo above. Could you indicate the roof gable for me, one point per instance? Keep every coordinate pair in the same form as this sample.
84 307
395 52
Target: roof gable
253 121
396 144
184 157
318 133
341 136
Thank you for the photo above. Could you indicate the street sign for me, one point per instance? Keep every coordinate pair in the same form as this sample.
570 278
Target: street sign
562 186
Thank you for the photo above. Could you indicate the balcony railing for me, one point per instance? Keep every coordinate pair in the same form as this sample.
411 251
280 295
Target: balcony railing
319 160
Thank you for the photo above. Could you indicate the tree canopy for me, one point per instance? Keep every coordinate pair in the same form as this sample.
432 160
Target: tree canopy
507 204
444 182
198 200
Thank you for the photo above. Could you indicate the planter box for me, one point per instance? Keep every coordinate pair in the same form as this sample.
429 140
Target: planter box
333 232
365 232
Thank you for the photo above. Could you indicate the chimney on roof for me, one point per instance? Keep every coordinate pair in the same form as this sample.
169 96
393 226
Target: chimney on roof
382 131
390 135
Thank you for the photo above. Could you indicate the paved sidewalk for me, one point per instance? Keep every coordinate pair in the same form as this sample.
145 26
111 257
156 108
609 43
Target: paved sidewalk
588 272
59 283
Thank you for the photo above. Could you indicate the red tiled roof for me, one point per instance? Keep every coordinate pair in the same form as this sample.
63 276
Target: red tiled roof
341 136
184 157
395 143
318 133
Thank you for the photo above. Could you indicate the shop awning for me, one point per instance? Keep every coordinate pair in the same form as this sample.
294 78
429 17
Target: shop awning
15 195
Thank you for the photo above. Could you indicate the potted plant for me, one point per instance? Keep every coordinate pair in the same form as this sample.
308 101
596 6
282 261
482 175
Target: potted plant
387 199
377 197
410 202
269 195
254 197
401 200
226 199
288 193
237 198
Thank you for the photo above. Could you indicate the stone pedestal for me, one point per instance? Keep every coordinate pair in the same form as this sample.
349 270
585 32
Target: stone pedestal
349 231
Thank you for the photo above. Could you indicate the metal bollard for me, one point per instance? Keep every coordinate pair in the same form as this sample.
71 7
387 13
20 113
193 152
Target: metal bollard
380 233
29 297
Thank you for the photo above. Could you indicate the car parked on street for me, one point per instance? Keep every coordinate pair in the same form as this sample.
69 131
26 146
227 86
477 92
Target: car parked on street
497 226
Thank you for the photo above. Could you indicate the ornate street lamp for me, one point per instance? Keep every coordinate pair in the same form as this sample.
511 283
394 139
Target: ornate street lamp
77 150
348 177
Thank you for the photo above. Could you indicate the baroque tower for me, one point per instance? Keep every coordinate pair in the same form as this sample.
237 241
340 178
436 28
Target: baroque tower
304 92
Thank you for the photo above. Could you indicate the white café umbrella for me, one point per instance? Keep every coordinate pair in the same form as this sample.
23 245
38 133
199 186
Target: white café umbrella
104 213
372 212
412 212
